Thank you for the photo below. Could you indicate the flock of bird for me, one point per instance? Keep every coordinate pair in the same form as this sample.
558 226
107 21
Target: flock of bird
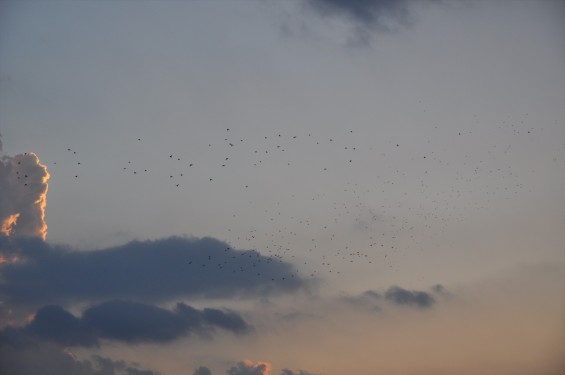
347 200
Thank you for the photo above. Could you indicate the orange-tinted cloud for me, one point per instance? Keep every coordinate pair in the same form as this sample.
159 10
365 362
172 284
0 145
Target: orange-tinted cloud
8 259
9 223
23 182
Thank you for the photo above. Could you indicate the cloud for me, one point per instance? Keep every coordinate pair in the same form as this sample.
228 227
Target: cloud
372 13
151 271
23 183
381 15
125 321
401 296
367 297
373 300
441 291
55 324
45 358
227 320
202 371
109 366
289 372
370 16
247 367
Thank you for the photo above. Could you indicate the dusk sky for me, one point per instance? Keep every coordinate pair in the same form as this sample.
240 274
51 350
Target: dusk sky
301 187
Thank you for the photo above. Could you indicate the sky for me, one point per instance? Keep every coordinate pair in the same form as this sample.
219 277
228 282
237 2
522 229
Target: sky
304 187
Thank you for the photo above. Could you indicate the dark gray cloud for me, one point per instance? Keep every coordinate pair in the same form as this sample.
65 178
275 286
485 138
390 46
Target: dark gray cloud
247 367
224 319
151 271
37 347
202 371
416 298
290 372
370 13
42 358
23 183
111 367
130 322
370 16
55 324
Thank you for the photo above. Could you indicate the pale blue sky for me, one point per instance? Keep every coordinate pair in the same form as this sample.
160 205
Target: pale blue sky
96 76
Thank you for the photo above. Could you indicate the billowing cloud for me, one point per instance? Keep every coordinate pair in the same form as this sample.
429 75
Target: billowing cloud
150 271
23 183
129 322
247 367
416 298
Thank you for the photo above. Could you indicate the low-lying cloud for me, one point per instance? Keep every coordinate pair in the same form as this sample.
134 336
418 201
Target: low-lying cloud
203 370
290 372
247 367
125 321
374 300
416 298
149 271
42 359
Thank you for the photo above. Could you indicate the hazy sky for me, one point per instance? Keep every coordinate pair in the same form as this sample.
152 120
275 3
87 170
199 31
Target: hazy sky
327 186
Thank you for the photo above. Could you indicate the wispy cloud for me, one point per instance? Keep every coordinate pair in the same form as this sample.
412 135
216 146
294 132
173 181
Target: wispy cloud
395 295
411 298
